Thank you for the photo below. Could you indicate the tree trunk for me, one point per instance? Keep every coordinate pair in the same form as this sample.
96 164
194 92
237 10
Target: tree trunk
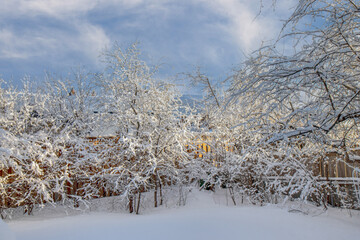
131 204
155 191
231 191
138 203
160 192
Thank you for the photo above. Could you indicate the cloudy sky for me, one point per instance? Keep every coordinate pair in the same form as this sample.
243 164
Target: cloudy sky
56 36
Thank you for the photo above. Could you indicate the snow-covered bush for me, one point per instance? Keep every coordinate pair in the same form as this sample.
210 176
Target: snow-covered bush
150 122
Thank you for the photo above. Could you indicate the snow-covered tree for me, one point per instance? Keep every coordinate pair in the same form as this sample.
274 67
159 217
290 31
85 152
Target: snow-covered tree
314 90
309 95
150 122
71 118
26 153
42 139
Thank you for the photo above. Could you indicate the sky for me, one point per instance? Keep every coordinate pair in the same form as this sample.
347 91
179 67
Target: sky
38 36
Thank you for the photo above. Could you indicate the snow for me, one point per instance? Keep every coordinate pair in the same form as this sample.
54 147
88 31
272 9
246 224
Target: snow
205 216
5 232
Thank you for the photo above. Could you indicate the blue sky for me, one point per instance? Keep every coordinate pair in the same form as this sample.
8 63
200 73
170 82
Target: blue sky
56 36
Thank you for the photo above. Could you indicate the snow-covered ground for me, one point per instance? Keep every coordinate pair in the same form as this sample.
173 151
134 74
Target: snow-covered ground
205 216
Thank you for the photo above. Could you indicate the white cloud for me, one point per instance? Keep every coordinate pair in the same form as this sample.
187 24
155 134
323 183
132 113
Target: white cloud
54 45
75 32
79 36
91 40
12 46
83 36
67 8
245 25
54 8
